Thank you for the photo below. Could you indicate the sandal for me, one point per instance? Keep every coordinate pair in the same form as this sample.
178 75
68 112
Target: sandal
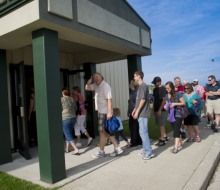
179 147
76 153
190 140
174 151
198 139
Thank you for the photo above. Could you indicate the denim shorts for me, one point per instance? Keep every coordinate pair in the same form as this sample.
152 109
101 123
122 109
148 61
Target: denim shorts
68 126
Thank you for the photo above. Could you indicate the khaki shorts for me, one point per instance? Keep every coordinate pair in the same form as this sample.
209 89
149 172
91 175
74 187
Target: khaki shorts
213 106
101 118
160 121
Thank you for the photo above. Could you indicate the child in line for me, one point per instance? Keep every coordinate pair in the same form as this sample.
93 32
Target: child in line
120 132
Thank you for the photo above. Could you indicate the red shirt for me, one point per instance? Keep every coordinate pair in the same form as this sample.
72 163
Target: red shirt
180 89
204 94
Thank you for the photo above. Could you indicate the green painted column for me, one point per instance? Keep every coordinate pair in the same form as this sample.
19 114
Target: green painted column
48 105
134 64
5 142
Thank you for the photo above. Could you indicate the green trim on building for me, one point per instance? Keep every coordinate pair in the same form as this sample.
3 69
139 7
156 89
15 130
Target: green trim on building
48 105
5 143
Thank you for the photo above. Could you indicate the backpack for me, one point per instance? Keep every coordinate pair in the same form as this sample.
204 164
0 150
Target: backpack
183 111
80 106
111 125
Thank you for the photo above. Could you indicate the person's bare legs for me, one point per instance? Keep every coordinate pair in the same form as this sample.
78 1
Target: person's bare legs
189 127
196 129
87 134
78 138
162 133
102 139
177 143
67 147
76 150
217 119
211 117
112 138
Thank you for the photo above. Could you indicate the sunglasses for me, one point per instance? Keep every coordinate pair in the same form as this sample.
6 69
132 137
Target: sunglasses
186 88
210 80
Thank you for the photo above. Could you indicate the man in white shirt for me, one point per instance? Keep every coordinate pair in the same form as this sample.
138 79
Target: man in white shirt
103 101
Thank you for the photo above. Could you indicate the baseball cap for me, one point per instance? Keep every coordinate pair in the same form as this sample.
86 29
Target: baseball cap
196 80
156 79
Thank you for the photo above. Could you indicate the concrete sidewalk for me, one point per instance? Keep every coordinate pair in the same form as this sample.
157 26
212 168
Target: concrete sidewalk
191 168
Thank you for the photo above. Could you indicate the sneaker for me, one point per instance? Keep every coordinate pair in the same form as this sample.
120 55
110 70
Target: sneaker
99 154
166 139
183 135
116 152
89 141
203 115
215 130
78 145
208 124
147 156
141 154
160 143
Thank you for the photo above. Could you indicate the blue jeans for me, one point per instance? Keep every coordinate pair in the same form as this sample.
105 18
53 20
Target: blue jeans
120 133
68 126
143 130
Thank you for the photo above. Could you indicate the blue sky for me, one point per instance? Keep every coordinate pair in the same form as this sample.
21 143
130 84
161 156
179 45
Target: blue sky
185 38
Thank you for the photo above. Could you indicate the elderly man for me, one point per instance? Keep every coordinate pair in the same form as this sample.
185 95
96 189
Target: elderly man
198 88
103 101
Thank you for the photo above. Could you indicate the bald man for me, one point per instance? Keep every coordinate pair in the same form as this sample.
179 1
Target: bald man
103 101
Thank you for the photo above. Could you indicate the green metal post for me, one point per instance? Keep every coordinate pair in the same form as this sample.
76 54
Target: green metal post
48 105
5 143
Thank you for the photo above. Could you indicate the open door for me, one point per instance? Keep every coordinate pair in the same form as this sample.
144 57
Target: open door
21 113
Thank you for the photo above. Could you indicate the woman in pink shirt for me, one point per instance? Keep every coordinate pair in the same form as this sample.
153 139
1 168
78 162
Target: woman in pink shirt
81 116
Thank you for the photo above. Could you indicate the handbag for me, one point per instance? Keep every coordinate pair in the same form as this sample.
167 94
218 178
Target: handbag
111 125
183 111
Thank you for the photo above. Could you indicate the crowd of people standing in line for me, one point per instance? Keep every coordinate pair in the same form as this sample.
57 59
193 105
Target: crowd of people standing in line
176 98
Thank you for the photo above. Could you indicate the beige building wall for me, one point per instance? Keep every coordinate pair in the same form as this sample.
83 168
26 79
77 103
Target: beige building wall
116 74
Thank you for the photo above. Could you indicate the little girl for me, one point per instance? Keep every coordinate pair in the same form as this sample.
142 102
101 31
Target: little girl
120 132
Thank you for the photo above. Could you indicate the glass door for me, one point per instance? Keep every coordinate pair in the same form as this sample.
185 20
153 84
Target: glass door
21 113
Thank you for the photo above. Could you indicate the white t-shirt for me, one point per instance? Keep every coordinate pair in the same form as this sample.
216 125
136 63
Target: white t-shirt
102 93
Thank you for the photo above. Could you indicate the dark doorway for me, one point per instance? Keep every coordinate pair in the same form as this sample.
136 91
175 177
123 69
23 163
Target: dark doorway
19 109
22 77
